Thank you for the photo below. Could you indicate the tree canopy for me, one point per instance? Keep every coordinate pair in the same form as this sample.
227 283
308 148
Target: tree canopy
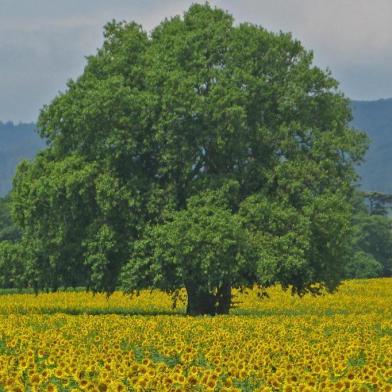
204 155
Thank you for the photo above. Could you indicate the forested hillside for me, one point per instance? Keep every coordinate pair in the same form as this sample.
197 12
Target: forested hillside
17 142
375 117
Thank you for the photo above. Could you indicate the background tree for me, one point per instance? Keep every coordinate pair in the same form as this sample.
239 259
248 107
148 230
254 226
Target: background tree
363 265
378 203
372 240
157 122
374 237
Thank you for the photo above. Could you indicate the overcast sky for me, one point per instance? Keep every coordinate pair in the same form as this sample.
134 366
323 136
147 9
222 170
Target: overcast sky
43 42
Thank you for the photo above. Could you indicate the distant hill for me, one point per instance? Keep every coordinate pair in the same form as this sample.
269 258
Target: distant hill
375 117
17 142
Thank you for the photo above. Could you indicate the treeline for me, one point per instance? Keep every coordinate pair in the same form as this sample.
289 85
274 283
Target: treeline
372 236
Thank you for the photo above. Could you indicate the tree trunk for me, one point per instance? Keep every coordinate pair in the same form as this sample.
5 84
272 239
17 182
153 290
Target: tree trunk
224 299
200 302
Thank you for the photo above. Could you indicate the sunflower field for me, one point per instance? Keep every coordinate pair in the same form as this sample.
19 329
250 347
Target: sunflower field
74 341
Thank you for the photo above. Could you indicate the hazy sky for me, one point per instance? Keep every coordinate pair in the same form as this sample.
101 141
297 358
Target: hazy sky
43 42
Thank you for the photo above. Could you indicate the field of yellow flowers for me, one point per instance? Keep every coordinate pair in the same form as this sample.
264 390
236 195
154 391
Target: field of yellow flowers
74 341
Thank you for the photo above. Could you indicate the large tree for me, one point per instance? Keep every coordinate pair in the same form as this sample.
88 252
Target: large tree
144 145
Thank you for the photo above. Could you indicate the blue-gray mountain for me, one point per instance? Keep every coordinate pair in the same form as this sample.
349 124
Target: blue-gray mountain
17 142
375 117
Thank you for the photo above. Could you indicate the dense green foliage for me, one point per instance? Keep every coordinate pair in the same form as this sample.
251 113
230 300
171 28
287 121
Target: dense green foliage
19 142
12 266
11 260
205 155
372 240
363 265
203 247
8 230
